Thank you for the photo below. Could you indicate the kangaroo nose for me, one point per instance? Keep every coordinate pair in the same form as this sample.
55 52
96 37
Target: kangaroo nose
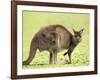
78 39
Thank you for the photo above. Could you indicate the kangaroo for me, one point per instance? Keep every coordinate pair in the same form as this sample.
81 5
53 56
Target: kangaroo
54 38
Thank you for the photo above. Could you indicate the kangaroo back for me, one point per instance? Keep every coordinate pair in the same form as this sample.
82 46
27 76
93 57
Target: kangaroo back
54 36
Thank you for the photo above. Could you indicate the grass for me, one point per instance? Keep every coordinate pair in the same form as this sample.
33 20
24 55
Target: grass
33 21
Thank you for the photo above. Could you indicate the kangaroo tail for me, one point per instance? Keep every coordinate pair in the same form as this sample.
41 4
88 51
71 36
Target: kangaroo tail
32 53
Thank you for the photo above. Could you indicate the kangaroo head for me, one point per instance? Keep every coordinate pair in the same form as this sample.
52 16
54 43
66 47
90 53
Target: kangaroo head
77 36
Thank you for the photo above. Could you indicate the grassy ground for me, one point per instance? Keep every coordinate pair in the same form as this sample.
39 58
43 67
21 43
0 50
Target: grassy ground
33 21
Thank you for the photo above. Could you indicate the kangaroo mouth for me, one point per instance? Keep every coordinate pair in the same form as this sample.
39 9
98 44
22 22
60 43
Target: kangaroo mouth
78 40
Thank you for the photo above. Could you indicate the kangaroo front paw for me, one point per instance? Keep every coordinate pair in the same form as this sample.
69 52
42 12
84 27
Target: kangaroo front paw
65 54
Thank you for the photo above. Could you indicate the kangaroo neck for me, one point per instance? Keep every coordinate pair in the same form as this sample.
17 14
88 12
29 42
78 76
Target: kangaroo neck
74 42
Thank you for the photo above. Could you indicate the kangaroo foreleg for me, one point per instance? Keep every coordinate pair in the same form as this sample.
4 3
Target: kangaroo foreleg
55 58
69 55
69 52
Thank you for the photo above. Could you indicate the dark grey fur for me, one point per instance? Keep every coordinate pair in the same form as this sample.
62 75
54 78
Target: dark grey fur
54 38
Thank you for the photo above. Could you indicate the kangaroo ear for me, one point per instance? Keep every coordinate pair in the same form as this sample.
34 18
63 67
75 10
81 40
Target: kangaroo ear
81 31
74 31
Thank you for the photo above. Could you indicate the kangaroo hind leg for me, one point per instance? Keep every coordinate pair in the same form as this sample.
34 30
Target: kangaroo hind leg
51 58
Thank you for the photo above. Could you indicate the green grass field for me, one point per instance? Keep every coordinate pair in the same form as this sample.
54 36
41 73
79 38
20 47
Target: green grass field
33 21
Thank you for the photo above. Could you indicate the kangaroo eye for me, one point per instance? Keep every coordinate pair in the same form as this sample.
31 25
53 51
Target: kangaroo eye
78 36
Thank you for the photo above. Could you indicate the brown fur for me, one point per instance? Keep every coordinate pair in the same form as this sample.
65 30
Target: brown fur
53 38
